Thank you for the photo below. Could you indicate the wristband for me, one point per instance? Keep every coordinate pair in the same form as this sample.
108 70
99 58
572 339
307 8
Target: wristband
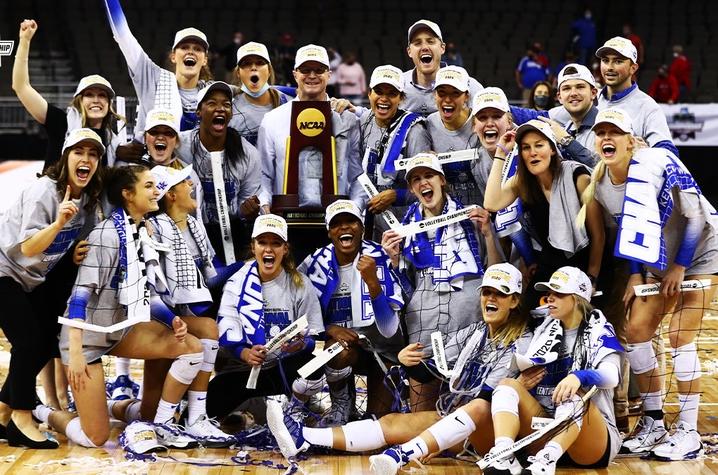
503 149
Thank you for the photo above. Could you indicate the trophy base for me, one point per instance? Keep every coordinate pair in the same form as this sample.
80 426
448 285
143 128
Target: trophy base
287 206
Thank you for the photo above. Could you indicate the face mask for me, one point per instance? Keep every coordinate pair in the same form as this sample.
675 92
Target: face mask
541 101
587 15
255 94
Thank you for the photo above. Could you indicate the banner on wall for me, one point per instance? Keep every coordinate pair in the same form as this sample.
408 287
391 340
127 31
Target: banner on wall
692 124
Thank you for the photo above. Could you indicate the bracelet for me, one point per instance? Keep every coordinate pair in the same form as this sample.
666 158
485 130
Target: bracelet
503 149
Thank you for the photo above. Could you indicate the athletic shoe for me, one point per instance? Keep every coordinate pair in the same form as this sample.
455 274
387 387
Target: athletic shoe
123 388
684 444
505 466
208 433
342 402
295 409
286 430
174 436
541 464
139 437
388 462
649 435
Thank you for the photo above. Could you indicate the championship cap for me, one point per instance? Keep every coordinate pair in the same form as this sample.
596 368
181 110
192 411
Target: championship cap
167 177
424 24
253 49
190 34
270 223
94 80
341 207
620 45
80 135
538 126
503 277
311 53
581 73
159 116
568 280
387 74
216 85
455 76
490 97
615 116
428 160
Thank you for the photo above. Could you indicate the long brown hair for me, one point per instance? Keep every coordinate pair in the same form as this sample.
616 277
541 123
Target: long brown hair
109 122
526 184
58 171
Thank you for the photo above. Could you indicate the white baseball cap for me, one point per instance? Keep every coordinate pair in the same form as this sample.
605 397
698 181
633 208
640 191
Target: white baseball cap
216 85
427 160
253 49
538 126
160 116
139 437
387 74
455 76
568 280
94 80
615 116
340 207
79 135
490 97
424 24
503 277
190 33
167 177
270 223
582 73
620 45
311 53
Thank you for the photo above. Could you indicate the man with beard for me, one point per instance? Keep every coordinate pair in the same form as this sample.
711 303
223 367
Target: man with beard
425 49
360 298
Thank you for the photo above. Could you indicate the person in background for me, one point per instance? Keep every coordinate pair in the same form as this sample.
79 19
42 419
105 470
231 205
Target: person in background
583 36
680 69
664 87
636 40
335 59
530 71
542 96
230 54
452 57
351 79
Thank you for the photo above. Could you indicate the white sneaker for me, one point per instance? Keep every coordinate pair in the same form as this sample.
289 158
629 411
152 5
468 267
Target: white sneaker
504 466
684 444
174 436
388 462
651 434
541 464
286 430
208 433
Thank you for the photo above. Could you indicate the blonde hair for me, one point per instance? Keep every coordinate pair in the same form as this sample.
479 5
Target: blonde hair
514 327
288 264
590 192
109 122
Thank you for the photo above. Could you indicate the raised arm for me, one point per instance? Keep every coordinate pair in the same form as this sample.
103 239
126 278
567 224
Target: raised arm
499 195
34 103
129 45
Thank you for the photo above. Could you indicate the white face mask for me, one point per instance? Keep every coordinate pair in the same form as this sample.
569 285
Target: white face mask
255 94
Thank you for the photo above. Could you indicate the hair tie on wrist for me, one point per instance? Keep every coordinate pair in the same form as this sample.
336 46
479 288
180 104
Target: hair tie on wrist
503 149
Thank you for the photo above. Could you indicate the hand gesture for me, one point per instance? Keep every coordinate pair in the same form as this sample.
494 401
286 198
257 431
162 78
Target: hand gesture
411 355
566 389
367 268
254 356
67 209
382 201
80 252
180 329
482 220
507 141
558 131
391 243
250 207
27 29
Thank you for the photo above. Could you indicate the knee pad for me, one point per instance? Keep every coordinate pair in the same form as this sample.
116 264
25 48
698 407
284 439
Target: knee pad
572 408
686 364
307 387
451 430
209 352
185 368
334 375
505 399
74 432
641 357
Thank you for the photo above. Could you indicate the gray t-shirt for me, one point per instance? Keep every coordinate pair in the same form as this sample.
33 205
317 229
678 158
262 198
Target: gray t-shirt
242 178
705 257
283 303
35 210
647 118
246 116
459 175
421 100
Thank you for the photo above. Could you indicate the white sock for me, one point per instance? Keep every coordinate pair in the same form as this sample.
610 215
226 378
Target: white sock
361 436
553 450
415 448
452 429
501 442
165 412
42 412
197 406
688 404
122 367
323 437
653 402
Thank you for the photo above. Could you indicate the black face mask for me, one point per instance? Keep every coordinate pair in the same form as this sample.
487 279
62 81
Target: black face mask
541 101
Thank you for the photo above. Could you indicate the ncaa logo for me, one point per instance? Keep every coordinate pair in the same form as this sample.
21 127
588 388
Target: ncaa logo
310 122
6 48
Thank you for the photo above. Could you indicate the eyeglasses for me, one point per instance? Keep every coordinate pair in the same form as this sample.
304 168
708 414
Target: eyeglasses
307 70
